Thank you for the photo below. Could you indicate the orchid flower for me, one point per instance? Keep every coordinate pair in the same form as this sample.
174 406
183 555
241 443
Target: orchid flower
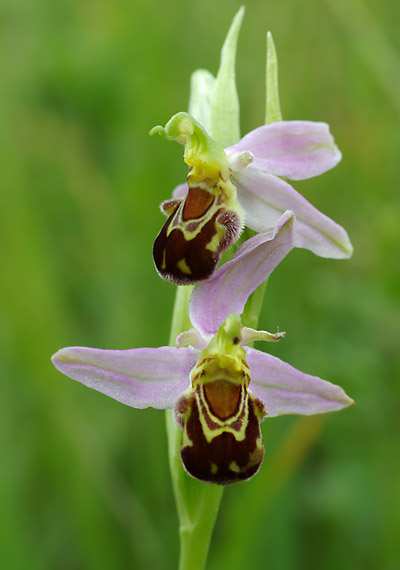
219 388
241 185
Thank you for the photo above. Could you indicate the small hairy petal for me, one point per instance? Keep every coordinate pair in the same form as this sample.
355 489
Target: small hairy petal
292 149
139 378
264 198
285 390
228 289
202 84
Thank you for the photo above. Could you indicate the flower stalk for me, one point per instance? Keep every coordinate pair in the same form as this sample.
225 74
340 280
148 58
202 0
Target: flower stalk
198 503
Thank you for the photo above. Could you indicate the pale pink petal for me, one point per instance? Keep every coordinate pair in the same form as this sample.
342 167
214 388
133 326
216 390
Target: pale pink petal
285 390
180 191
264 198
139 378
293 149
192 337
228 289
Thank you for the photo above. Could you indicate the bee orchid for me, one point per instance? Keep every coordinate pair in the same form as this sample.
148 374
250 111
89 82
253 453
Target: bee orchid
219 388
241 185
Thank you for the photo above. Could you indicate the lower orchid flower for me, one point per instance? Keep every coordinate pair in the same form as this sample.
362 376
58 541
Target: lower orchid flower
219 388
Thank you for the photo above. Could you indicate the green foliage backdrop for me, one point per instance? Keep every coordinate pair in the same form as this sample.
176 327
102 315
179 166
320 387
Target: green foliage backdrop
84 481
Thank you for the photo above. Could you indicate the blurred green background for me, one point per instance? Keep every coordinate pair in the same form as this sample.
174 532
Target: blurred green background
84 481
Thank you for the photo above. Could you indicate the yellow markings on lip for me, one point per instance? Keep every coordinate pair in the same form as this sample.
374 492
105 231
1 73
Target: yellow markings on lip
209 218
183 266
233 466
189 245
214 468
220 417
163 264
220 456
228 425
215 242
186 441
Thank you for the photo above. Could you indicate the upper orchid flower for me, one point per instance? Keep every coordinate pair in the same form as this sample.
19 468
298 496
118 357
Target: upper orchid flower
227 189
220 391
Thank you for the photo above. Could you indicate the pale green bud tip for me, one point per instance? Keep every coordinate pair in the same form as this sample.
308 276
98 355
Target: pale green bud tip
273 109
271 50
202 85
224 103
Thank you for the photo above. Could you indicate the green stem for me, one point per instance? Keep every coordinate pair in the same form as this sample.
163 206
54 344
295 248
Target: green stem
197 502
180 314
197 505
272 108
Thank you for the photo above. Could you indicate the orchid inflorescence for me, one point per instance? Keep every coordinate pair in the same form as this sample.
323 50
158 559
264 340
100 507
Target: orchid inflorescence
219 388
